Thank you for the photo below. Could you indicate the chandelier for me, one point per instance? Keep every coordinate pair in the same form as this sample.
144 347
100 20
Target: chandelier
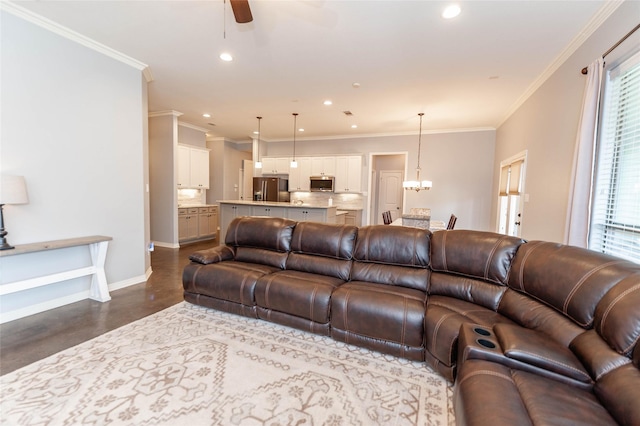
417 184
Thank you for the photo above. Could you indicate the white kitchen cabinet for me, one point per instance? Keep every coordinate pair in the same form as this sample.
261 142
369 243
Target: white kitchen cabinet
353 217
349 174
309 214
207 222
184 166
269 211
193 167
323 166
196 223
275 165
299 177
187 224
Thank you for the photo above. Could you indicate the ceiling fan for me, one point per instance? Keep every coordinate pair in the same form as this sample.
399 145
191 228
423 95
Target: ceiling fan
241 11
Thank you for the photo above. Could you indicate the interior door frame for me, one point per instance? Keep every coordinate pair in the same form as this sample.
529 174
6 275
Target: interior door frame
523 198
371 185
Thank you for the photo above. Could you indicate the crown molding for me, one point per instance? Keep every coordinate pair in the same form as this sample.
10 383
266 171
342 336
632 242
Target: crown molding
382 135
596 21
192 126
164 113
74 36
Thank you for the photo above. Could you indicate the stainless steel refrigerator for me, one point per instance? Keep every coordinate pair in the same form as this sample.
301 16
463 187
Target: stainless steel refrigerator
270 189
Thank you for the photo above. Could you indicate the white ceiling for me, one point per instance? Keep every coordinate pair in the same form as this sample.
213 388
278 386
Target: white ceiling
466 73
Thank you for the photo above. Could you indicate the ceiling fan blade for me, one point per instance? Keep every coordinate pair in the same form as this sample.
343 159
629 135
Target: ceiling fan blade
241 11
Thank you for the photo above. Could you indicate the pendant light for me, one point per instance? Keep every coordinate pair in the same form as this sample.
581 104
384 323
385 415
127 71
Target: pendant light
417 184
258 164
294 163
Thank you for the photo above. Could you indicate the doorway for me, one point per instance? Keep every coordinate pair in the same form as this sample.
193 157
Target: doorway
511 195
387 194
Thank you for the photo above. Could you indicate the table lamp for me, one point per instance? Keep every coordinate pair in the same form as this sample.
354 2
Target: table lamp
13 190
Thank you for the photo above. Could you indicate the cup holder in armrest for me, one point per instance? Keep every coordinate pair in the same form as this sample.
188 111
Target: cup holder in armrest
482 331
486 343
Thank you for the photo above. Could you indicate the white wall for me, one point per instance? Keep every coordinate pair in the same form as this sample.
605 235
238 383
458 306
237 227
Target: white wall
460 164
73 125
546 126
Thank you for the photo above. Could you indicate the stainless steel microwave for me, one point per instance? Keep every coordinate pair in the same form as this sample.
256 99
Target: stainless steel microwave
321 183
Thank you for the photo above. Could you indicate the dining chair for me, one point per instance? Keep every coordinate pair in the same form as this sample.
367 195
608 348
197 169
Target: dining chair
452 222
386 217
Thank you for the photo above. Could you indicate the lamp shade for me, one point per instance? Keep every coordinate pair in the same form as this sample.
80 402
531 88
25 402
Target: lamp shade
13 190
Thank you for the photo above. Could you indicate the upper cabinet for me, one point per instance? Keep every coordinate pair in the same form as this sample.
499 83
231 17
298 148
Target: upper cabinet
193 167
323 166
299 177
275 165
349 174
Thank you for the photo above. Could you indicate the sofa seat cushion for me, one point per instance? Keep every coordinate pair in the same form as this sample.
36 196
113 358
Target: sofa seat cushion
488 393
302 294
386 318
229 280
443 319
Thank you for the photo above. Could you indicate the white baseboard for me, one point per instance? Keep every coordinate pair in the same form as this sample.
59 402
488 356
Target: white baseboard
166 245
66 300
128 282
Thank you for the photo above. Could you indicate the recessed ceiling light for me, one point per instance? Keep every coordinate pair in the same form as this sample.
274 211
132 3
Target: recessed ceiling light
255 132
301 129
328 102
226 57
205 115
354 126
355 85
451 11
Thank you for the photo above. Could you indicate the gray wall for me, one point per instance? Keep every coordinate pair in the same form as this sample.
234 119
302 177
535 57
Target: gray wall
546 125
73 124
163 146
460 164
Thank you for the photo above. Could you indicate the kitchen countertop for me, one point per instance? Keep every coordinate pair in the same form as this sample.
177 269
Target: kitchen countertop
188 206
276 204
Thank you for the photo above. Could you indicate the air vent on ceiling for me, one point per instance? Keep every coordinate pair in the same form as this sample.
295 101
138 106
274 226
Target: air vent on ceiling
347 112
211 124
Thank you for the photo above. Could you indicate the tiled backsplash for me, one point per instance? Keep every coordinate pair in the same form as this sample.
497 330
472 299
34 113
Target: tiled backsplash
345 201
192 196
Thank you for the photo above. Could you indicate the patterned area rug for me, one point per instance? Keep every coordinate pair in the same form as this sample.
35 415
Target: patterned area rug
189 365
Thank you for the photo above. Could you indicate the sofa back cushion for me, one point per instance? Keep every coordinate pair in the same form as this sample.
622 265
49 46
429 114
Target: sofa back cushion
570 279
264 240
271 233
617 316
394 255
322 248
481 255
471 265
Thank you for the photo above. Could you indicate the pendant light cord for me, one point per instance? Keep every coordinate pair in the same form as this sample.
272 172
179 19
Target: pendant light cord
295 120
420 140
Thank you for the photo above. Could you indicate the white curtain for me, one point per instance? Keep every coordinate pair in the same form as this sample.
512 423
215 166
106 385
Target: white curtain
579 208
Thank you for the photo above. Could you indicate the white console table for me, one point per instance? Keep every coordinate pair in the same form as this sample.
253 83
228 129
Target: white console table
98 249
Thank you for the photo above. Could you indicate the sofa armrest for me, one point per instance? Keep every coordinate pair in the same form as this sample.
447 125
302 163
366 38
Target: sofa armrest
213 255
533 348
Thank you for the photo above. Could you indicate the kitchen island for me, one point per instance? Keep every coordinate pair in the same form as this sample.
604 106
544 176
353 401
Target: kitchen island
230 209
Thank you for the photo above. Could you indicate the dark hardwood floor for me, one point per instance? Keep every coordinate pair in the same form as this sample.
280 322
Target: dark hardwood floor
36 337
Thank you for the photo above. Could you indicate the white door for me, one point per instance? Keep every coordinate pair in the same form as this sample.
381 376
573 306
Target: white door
390 194
511 195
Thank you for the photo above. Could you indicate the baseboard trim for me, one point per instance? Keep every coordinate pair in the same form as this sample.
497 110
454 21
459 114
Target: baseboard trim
66 300
166 245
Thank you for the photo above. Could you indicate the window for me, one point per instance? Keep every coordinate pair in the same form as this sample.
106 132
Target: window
615 220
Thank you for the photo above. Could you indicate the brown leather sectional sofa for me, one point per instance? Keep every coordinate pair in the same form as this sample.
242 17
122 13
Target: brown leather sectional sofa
531 332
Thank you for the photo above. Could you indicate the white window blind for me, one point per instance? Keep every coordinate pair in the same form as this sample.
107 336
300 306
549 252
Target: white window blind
615 220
